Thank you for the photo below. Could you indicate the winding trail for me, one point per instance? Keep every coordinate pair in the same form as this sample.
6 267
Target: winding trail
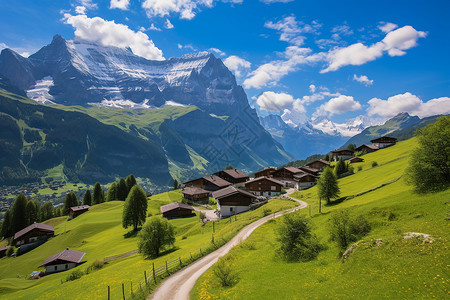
179 285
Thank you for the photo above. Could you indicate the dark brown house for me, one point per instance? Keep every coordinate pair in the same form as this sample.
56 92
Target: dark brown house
310 170
384 141
342 153
231 201
286 173
319 164
3 251
197 195
264 186
367 148
176 209
265 173
235 176
209 183
33 233
75 211
355 160
62 261
305 180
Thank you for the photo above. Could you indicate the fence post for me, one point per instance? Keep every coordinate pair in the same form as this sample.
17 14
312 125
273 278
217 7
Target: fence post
154 277
145 276
213 227
180 261
109 293
123 291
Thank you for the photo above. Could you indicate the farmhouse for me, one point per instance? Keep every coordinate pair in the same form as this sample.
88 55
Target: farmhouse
367 148
264 186
305 180
342 153
286 176
384 141
62 261
356 160
319 164
235 176
196 195
209 183
176 209
231 201
78 210
33 233
3 251
310 170
265 173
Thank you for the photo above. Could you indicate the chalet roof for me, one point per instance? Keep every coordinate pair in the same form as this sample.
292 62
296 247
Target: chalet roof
266 169
194 191
356 159
373 147
303 175
291 169
319 160
309 170
174 205
42 227
342 150
267 178
384 139
216 180
4 248
78 208
67 255
235 173
231 190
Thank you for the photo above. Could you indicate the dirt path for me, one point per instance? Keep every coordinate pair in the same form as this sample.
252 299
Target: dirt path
179 285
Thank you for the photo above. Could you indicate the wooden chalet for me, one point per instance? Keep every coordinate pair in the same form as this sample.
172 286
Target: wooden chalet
195 194
75 211
3 251
265 173
232 200
176 209
367 148
210 183
309 170
355 159
319 164
33 233
235 176
342 153
305 180
286 175
384 141
264 186
63 261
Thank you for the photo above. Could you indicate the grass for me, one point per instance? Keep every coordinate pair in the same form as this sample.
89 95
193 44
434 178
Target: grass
399 268
99 233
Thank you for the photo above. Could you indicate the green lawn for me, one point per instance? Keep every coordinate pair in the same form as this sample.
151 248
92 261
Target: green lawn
398 269
99 233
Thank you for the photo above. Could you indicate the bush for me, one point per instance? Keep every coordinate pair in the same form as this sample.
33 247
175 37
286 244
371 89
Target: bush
202 216
344 229
266 212
374 164
359 227
211 201
360 168
10 251
96 265
76 274
224 273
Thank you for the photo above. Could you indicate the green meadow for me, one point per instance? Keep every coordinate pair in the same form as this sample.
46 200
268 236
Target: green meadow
399 268
99 233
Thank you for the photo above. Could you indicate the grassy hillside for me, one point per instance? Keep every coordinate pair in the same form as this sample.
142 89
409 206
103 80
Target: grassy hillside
399 268
99 233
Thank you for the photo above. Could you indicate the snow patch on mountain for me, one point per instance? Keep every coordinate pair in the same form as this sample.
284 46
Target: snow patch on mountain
123 104
40 91
173 103
350 128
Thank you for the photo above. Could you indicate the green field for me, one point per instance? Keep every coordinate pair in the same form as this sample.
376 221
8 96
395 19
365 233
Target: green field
398 269
99 233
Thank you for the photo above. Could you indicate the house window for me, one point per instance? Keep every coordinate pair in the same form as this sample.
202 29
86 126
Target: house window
273 188
56 268
231 209
67 266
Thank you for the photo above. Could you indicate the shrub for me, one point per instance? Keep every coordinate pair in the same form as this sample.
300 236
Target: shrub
391 216
10 251
76 274
211 201
374 164
344 229
224 273
202 216
97 265
359 227
360 168
266 211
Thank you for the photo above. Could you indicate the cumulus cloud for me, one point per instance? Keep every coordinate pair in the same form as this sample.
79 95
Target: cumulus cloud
88 4
312 88
290 29
120 4
363 79
387 27
317 95
217 51
168 25
270 73
81 10
340 104
153 27
109 33
409 103
394 43
237 65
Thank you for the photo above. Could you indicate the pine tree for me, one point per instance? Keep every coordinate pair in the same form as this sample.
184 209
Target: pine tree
71 200
32 213
135 208
6 226
122 190
111 194
87 198
18 213
46 211
327 187
327 157
131 181
98 196
340 168
176 184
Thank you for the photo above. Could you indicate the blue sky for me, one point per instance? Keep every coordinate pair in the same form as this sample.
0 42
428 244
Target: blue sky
337 59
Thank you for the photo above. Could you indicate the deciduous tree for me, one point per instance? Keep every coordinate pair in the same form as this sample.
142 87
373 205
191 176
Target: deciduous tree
156 234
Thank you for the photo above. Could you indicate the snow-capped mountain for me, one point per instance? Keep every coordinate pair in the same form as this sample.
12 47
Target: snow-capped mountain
350 128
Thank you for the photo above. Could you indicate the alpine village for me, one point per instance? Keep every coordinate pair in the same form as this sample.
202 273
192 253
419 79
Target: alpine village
126 174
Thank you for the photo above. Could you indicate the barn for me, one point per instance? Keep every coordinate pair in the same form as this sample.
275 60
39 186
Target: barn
75 211
384 141
176 210
33 233
342 153
63 261
319 164
232 201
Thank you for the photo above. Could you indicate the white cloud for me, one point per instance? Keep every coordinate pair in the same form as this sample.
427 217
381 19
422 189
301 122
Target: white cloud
81 10
168 25
271 72
188 46
290 29
120 4
341 104
363 79
153 27
25 54
317 95
3 46
217 51
88 4
387 27
409 103
312 88
109 33
237 65
342 29
357 54
275 102
275 1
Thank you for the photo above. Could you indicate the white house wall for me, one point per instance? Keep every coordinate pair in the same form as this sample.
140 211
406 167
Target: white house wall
59 268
